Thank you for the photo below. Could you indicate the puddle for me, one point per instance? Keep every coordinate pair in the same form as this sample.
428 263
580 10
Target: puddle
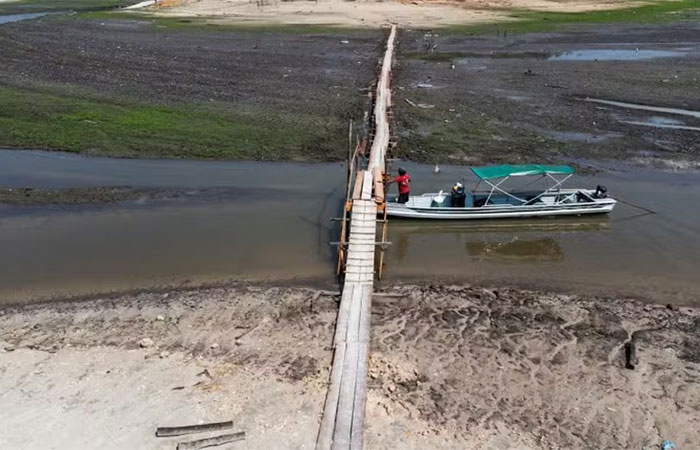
657 120
589 138
659 109
469 64
270 221
660 125
663 122
20 17
614 55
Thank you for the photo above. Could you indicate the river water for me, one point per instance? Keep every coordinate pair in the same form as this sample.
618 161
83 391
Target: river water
270 221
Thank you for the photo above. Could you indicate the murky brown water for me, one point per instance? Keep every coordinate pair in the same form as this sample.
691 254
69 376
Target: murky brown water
270 221
653 256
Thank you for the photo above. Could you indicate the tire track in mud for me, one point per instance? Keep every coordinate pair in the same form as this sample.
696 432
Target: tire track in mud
465 366
473 359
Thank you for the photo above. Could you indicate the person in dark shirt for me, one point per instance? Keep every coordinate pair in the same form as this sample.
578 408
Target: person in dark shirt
403 180
459 196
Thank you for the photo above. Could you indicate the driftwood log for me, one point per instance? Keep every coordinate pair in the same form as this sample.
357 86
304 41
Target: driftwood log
189 429
211 442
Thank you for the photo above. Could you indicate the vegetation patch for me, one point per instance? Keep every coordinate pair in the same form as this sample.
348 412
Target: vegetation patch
29 6
71 120
527 21
211 24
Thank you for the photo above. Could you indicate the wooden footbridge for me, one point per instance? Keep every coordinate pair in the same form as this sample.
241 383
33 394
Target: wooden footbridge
342 425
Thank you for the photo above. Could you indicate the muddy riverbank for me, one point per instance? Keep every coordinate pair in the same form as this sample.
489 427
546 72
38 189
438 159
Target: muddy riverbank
451 366
512 98
128 87
144 88
77 196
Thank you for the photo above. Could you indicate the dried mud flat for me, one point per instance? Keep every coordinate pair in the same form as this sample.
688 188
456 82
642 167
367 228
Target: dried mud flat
73 196
512 98
370 13
299 89
451 367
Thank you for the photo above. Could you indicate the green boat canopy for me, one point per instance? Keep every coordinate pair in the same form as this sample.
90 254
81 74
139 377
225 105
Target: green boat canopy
490 172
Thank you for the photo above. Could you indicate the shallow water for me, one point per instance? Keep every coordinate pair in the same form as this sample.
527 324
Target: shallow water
652 108
614 55
20 17
661 125
270 221
573 136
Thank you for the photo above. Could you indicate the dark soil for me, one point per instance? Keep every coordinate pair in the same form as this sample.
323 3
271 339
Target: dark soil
498 99
294 92
297 72
73 196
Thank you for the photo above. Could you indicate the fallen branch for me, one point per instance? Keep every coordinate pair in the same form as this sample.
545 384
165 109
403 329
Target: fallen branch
410 102
211 442
189 429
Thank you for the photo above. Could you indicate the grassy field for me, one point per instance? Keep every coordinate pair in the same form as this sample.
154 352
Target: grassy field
28 6
70 120
75 118
198 24
538 21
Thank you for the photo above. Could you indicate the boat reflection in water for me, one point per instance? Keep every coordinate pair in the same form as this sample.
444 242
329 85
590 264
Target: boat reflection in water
504 241
545 249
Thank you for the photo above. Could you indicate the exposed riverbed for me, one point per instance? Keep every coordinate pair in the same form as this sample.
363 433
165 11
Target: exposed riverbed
270 221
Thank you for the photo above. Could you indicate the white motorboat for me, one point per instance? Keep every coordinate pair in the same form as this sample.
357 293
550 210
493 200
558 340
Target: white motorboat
495 202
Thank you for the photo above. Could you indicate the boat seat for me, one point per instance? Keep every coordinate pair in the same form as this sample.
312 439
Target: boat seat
499 201
469 201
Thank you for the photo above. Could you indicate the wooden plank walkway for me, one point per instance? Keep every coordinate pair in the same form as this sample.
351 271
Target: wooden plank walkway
342 425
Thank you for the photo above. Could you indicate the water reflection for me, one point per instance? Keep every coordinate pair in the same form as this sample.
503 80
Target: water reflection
505 240
517 250
559 224
20 17
614 55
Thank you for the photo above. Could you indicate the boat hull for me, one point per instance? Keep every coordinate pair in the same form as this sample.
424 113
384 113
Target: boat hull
600 206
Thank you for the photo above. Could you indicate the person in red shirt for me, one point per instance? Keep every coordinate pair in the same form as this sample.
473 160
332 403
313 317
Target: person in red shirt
403 180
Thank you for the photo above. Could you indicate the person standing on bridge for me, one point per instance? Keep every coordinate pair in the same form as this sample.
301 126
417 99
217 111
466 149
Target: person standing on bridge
403 180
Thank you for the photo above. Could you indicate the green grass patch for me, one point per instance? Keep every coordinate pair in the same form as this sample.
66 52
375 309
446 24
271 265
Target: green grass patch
28 6
538 21
67 119
211 24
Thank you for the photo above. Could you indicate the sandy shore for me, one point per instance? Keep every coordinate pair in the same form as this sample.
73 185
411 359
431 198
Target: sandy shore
373 13
451 367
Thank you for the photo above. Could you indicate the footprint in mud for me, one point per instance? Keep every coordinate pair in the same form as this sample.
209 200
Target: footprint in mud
534 362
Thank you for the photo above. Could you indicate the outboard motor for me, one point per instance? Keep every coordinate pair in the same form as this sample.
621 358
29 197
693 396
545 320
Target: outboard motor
600 192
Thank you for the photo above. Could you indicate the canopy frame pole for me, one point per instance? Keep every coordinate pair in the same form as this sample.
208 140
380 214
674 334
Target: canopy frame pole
548 190
495 187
